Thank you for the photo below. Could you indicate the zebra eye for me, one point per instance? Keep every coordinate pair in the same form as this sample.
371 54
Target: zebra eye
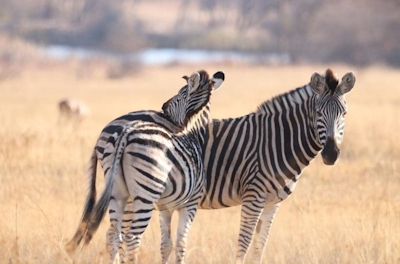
319 112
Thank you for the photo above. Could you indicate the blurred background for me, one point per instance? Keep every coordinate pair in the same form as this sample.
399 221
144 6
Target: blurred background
130 33
113 57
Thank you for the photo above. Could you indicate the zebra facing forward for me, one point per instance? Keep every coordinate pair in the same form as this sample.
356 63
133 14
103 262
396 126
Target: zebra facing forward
256 160
157 169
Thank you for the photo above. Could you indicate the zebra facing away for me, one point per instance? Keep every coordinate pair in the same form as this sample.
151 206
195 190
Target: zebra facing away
157 169
255 160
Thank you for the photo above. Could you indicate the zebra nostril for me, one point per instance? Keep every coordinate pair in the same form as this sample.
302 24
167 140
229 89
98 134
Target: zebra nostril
330 152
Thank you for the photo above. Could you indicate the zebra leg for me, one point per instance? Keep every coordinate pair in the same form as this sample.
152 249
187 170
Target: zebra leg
166 242
250 214
125 226
116 209
262 231
186 217
113 240
141 215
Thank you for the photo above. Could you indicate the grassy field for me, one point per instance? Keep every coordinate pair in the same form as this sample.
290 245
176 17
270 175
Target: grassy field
348 213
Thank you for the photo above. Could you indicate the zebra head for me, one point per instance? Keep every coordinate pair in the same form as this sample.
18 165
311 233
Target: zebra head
330 110
192 97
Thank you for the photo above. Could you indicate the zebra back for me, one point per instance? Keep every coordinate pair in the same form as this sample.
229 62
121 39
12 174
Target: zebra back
199 90
196 94
172 118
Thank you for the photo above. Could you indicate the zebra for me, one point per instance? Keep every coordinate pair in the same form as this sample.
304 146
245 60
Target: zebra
255 160
157 169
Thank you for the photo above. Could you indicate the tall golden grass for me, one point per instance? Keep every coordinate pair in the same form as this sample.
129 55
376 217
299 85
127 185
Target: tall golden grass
348 213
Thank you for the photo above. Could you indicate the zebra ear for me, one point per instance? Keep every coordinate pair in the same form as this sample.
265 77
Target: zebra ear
193 82
217 79
186 78
347 83
317 83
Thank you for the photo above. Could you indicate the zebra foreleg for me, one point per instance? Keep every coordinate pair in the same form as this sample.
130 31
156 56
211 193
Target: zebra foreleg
262 231
186 217
166 242
250 214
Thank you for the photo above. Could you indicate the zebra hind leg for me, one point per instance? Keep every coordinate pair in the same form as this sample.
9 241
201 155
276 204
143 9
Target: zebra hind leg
113 242
186 217
125 226
166 242
116 208
113 235
142 210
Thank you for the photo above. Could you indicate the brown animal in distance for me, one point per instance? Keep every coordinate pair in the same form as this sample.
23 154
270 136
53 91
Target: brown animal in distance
73 110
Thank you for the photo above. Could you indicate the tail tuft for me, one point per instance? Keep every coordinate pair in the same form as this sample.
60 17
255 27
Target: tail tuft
111 158
74 243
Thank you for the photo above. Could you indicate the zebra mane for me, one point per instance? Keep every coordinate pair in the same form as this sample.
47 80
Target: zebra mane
199 98
331 81
205 87
296 95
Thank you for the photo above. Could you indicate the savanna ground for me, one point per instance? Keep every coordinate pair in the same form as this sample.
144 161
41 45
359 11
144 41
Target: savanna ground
348 213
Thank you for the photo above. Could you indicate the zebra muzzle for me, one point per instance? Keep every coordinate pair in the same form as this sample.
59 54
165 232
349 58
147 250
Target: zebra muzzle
330 152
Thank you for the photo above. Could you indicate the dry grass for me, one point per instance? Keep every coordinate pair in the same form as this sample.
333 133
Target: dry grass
348 213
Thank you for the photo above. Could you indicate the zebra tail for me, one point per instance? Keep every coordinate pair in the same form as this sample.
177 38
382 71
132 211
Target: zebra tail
73 244
117 143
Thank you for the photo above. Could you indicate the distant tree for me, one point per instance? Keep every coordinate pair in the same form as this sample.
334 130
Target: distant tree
251 13
294 22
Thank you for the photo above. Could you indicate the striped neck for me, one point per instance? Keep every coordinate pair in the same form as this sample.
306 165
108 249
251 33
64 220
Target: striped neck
198 122
292 117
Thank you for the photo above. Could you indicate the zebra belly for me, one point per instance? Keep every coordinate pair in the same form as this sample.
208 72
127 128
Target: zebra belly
207 204
177 195
221 192
220 200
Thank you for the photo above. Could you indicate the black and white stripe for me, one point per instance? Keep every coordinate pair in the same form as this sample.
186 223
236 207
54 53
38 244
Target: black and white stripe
256 160
157 169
